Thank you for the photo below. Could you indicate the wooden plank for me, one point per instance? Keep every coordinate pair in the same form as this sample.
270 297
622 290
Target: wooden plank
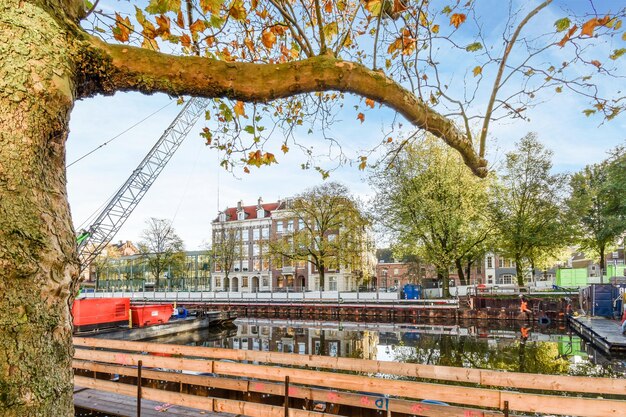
206 404
122 405
484 377
479 397
336 397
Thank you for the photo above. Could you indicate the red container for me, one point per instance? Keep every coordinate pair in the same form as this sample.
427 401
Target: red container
100 312
151 314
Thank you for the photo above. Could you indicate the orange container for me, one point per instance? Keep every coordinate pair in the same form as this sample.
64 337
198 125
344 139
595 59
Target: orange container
151 314
100 312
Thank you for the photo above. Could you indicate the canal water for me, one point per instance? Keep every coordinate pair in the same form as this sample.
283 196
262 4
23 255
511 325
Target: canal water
490 345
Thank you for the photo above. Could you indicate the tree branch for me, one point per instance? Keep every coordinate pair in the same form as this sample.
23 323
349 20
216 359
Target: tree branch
107 68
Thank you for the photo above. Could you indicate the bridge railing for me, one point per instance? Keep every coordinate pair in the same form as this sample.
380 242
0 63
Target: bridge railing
396 387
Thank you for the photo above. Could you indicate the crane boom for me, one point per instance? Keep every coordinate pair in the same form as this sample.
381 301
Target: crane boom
110 220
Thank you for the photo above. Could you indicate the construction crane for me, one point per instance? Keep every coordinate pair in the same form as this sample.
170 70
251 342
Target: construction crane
95 238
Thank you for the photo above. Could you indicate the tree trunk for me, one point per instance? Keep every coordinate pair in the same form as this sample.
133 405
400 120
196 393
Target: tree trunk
519 271
320 268
602 261
37 243
468 273
459 267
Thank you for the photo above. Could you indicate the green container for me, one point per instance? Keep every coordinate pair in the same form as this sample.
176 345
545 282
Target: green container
571 346
615 271
572 277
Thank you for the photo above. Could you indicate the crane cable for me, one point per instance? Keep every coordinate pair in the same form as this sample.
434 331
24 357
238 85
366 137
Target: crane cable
119 134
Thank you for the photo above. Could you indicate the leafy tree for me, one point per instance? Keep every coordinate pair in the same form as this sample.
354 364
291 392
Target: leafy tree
270 54
226 249
331 232
597 204
432 204
162 249
527 205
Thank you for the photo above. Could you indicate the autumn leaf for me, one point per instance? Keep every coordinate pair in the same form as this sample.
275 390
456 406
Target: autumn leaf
617 53
562 24
284 148
163 6
269 158
331 30
122 29
389 139
435 29
268 38
237 10
164 26
477 71
197 26
240 109
360 117
185 40
374 7
589 26
328 6
567 36
369 102
596 63
559 89
588 112
363 163
254 158
473 47
180 22
457 19
206 133
246 170
211 6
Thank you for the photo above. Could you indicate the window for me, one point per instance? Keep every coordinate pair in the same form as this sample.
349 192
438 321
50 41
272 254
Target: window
241 215
222 217
244 282
218 267
255 250
500 263
396 271
279 226
256 234
245 234
266 264
218 282
290 226
505 279
300 224
332 283
257 265
489 262
265 281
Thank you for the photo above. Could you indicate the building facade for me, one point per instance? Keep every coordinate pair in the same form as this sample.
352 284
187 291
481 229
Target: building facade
255 269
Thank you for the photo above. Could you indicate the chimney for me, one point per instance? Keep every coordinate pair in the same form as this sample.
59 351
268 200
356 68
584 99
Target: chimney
239 204
259 202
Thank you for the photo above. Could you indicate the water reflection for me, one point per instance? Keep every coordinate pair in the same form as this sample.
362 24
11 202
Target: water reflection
534 349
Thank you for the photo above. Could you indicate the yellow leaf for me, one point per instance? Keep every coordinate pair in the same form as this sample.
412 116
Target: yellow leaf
457 19
268 38
212 6
589 26
284 148
435 29
624 36
363 163
269 158
369 102
596 63
164 26
240 109
477 71
361 117
237 10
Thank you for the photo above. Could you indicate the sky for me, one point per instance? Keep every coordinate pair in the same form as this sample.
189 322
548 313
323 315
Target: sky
193 188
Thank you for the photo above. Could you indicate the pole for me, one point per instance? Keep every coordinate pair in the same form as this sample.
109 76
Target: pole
286 396
139 364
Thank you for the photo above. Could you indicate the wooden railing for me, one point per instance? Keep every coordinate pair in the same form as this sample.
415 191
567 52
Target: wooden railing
481 395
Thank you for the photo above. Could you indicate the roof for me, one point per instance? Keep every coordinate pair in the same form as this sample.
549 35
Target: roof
251 211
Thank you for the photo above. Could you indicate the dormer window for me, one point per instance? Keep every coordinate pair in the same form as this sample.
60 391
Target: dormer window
222 217
241 215
260 213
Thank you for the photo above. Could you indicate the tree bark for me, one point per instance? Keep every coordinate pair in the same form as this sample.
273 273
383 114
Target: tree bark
602 261
519 271
37 243
459 267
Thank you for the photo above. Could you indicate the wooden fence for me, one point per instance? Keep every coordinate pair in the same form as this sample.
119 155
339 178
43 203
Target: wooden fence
377 385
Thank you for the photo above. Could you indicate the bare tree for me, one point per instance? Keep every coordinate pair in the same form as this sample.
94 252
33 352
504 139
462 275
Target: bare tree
226 249
162 249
